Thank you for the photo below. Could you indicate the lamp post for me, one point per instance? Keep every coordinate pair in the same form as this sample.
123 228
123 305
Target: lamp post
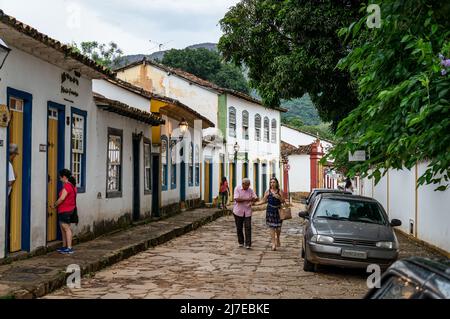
236 148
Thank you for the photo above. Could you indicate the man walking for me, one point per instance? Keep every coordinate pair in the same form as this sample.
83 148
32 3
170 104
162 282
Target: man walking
244 197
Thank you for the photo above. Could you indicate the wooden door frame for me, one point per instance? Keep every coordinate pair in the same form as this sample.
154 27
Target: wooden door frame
60 156
26 170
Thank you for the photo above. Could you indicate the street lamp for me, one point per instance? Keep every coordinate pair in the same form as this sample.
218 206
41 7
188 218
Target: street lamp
236 148
4 51
183 126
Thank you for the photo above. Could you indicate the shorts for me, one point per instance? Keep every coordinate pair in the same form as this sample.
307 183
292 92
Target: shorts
64 218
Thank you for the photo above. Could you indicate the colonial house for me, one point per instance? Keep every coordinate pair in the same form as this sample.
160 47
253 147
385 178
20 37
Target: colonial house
246 138
65 111
46 93
173 150
303 171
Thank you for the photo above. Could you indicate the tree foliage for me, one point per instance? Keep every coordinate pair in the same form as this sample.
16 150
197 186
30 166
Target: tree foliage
208 65
291 47
108 55
400 71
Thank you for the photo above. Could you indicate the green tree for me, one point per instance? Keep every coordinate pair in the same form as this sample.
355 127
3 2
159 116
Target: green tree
108 55
400 71
208 65
291 47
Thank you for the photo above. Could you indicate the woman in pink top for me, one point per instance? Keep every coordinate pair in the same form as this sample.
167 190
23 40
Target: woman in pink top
66 205
224 193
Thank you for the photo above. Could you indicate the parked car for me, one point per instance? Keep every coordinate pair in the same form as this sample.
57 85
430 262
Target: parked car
317 191
348 231
414 278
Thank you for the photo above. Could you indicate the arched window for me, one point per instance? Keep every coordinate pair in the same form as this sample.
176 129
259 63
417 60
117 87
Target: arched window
164 162
173 162
245 125
257 127
191 165
232 122
197 165
274 131
266 129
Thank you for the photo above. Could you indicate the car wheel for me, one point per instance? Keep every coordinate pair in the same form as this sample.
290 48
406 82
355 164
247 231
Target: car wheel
307 265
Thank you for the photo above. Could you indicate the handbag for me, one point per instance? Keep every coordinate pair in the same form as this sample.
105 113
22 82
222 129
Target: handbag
285 213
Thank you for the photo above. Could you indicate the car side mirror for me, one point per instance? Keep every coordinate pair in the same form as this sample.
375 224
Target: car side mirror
304 215
396 223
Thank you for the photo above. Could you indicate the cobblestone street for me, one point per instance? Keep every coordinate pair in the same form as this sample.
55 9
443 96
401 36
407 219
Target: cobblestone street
208 263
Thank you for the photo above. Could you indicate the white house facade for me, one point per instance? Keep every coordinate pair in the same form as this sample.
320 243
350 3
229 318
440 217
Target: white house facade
261 157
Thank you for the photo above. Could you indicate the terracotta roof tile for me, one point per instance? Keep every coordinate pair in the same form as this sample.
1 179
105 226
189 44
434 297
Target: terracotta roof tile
67 50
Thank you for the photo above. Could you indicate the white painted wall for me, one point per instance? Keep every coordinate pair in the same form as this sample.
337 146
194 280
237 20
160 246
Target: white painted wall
27 73
117 93
297 138
432 209
172 195
433 221
264 152
402 196
300 173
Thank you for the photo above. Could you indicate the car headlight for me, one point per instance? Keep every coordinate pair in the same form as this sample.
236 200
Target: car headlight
386 244
322 239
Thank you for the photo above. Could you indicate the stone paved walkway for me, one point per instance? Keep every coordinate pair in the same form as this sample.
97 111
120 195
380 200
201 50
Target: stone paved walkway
208 263
36 277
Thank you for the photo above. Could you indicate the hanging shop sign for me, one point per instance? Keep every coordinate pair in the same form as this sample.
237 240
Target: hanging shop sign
70 83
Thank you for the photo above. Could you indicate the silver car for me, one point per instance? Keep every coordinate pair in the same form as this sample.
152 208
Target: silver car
348 231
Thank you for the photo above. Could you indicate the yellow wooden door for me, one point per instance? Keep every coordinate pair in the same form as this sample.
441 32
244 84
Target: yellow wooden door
231 181
52 166
207 184
15 209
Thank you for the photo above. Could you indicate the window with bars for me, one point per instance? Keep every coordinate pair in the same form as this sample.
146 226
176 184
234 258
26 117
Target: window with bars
164 162
197 165
114 169
245 135
173 160
266 129
147 166
274 131
257 127
78 150
232 121
191 165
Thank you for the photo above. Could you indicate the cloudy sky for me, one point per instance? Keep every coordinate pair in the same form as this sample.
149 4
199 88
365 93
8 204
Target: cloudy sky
137 26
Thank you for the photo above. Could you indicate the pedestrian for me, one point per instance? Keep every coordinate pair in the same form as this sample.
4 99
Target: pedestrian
244 197
274 199
224 192
348 185
13 152
66 205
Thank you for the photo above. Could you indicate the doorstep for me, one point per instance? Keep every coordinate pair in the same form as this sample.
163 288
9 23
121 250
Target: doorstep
38 276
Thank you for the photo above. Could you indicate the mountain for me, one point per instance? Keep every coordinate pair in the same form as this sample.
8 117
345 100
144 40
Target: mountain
157 56
302 109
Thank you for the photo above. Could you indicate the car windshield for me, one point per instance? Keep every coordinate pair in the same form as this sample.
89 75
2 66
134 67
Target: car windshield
350 210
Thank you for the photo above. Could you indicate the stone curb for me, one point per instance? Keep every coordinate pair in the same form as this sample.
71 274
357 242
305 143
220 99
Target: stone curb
125 252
